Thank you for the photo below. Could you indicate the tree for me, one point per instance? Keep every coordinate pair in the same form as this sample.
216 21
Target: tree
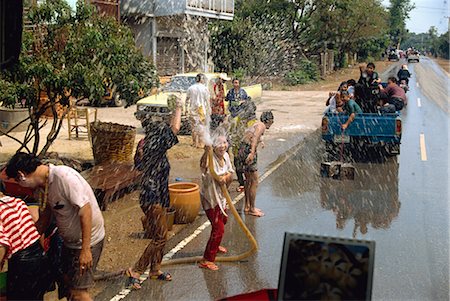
271 37
72 54
398 14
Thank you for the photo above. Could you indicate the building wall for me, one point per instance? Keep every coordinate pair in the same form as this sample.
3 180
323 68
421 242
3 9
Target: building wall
142 30
175 44
169 7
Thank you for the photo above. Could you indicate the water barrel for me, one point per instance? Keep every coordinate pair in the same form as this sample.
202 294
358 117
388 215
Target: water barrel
185 199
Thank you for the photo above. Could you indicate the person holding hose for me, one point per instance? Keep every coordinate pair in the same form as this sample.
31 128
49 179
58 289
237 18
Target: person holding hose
154 197
213 200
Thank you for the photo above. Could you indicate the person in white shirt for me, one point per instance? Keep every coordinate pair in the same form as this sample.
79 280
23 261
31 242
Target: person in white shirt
70 199
199 108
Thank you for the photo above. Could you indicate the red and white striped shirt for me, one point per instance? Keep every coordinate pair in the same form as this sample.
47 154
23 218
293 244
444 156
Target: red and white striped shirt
17 229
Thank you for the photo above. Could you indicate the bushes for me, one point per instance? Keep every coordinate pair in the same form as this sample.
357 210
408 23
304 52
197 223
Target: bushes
307 72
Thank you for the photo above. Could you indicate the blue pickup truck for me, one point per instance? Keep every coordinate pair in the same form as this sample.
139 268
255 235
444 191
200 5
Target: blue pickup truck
368 129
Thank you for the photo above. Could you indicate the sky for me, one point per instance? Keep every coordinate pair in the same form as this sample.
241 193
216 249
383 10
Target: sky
426 14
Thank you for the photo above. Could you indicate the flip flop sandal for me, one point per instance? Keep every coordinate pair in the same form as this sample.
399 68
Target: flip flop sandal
132 283
163 277
208 265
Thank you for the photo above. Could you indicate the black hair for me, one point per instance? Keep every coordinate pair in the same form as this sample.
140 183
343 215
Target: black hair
199 77
26 163
266 116
234 79
342 84
393 79
371 65
345 93
351 82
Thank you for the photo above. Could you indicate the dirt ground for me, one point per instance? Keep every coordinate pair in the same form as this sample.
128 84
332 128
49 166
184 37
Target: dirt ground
445 64
297 109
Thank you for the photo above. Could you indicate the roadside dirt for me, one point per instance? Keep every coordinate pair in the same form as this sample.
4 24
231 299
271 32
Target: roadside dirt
445 64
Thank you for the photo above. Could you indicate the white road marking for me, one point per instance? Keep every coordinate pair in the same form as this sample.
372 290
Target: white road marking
419 104
125 292
423 149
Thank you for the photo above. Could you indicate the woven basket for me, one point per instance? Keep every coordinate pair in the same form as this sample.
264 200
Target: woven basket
112 142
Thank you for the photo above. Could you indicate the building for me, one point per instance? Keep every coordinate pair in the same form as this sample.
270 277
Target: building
174 33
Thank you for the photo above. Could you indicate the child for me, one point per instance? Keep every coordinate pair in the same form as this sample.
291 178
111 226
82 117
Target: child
213 200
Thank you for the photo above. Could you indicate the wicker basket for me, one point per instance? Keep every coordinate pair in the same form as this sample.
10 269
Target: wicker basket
112 142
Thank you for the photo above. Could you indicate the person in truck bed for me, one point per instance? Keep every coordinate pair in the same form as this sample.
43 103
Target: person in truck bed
350 107
396 94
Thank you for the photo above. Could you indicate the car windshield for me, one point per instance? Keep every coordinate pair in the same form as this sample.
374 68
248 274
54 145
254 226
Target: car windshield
179 83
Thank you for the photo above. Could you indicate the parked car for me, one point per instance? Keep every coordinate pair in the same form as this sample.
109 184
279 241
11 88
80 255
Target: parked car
156 105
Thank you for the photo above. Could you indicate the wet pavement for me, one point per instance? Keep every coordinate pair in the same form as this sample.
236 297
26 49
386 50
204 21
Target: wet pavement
402 204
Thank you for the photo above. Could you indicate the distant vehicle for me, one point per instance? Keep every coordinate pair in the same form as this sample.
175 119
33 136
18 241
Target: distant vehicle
156 105
393 57
413 57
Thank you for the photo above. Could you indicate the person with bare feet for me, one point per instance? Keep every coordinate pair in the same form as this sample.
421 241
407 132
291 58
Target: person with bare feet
154 197
248 154
213 200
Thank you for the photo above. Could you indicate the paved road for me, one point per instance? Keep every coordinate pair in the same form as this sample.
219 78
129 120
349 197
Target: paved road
402 204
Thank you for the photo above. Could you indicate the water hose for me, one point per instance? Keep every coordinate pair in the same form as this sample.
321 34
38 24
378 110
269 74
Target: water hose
185 260
248 234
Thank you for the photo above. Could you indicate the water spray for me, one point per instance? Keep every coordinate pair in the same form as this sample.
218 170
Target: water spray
248 234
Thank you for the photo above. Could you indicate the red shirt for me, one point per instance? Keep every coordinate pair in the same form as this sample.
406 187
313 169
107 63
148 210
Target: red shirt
17 229
217 101
394 91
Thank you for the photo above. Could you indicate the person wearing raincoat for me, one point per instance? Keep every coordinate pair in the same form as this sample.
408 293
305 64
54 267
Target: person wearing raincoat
213 200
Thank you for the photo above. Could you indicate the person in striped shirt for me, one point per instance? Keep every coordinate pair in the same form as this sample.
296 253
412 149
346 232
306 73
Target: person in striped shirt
28 274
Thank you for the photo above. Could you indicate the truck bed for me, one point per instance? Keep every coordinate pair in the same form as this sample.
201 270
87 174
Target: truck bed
373 128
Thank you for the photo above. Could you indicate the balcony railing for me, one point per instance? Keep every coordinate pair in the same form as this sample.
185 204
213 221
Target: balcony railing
212 6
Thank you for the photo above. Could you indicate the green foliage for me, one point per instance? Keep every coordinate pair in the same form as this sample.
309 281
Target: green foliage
239 73
307 72
269 38
83 52
443 46
79 54
429 41
398 14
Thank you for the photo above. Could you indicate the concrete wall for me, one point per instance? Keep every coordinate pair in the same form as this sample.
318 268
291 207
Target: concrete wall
169 7
137 7
142 30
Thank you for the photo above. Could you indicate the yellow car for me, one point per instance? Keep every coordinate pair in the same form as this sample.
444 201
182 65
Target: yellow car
155 106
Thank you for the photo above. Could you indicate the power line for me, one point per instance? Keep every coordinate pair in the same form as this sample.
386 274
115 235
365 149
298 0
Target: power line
429 7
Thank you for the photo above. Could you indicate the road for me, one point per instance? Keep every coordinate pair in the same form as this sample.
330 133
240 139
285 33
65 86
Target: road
402 204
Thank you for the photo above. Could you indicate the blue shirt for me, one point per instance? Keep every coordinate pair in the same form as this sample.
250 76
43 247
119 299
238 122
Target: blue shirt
234 99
